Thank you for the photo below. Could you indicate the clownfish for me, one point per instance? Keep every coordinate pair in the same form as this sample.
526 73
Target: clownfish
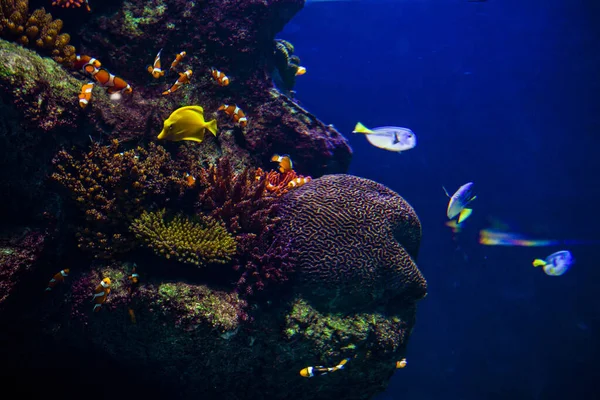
285 162
155 69
190 180
59 277
86 94
184 77
298 182
87 64
234 111
177 59
310 372
220 78
114 84
101 293
134 278
401 364
300 71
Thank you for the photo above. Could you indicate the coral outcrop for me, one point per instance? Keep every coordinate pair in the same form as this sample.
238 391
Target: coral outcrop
304 275
199 241
18 252
356 243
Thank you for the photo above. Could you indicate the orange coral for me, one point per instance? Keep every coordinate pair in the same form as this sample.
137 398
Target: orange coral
72 3
36 30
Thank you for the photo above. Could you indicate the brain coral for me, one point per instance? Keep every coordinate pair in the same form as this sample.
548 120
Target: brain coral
355 241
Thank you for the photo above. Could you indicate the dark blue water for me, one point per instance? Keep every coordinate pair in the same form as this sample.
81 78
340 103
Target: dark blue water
505 94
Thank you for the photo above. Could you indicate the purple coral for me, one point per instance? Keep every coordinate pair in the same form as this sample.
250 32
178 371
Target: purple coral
355 242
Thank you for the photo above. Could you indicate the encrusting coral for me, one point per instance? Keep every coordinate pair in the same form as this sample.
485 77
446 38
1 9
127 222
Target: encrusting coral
36 30
112 189
200 240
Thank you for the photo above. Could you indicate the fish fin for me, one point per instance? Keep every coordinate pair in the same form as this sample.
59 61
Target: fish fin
360 128
464 214
212 126
445 191
539 262
473 198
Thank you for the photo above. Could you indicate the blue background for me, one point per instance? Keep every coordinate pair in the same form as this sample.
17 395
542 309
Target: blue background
505 94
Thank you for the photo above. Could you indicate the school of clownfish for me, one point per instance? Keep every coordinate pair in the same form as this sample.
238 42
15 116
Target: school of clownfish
116 86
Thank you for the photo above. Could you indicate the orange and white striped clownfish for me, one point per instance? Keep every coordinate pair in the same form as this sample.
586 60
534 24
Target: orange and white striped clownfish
87 64
184 77
234 111
401 364
101 293
297 182
155 69
134 278
177 59
219 77
86 94
310 372
190 180
285 162
59 277
300 71
113 83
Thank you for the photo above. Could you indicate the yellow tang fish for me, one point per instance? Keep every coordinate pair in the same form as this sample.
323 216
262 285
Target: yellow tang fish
187 123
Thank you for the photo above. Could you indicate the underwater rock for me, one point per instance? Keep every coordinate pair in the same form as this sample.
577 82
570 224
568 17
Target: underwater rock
356 242
196 340
19 251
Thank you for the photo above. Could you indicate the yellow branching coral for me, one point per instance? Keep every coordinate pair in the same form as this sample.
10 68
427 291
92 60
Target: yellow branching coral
200 241
36 30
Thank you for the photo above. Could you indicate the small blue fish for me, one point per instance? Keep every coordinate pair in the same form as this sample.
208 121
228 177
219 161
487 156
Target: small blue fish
458 202
557 263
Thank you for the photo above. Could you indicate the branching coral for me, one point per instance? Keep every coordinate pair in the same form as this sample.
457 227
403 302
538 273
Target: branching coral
36 30
198 241
112 189
248 210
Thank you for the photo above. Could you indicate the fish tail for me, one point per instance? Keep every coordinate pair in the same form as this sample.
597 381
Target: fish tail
360 128
539 262
464 214
212 126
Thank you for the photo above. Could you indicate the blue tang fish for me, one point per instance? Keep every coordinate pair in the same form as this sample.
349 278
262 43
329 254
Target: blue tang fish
392 138
556 264
458 202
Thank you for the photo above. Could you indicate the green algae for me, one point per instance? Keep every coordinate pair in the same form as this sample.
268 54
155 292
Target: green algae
199 305
151 14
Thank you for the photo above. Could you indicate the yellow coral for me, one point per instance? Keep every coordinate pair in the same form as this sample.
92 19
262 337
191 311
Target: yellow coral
37 30
198 241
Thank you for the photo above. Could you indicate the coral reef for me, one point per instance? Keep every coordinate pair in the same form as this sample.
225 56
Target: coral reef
111 189
37 30
355 240
18 252
199 241
248 211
